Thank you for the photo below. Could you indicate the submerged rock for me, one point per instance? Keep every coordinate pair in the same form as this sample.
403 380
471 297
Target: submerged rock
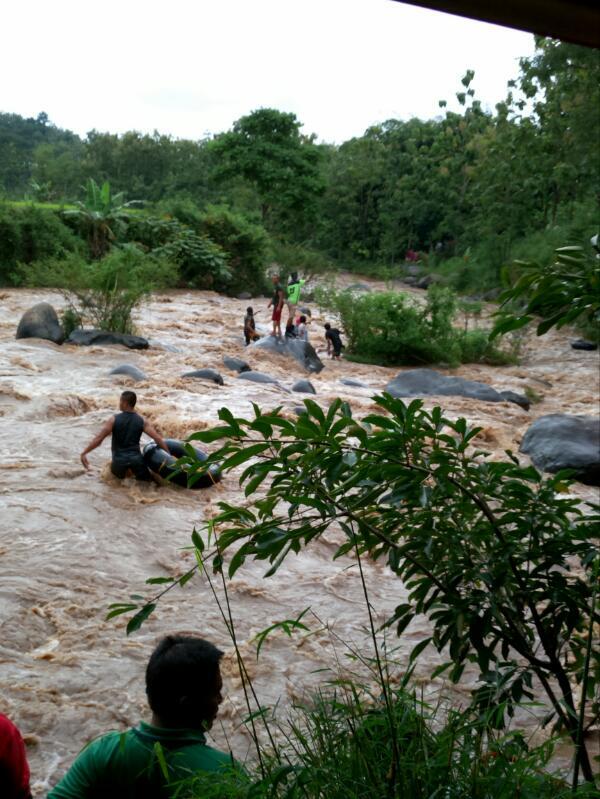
41 321
129 370
206 374
304 387
301 351
85 338
518 399
257 377
428 382
579 344
236 364
349 381
559 441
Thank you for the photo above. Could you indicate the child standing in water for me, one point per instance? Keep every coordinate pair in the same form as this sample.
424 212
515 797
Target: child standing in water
250 333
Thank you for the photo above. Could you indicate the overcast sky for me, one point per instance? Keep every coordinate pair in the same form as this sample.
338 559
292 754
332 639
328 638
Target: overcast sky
192 67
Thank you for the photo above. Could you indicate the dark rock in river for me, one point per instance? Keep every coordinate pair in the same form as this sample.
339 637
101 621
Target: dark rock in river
129 370
518 399
304 387
559 441
428 382
41 321
236 364
300 410
103 337
579 344
206 374
348 381
244 295
302 351
257 377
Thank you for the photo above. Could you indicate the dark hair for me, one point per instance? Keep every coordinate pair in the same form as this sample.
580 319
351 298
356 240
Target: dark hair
303 320
249 310
327 326
181 680
130 398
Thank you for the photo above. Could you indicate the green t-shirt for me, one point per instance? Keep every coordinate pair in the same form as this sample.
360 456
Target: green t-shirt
126 765
293 291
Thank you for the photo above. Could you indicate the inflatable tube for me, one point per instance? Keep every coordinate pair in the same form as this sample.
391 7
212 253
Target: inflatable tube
161 463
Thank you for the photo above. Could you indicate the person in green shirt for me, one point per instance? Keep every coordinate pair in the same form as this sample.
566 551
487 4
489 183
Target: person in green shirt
293 295
183 685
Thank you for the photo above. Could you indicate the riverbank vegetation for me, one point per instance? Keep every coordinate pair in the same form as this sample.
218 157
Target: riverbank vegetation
468 192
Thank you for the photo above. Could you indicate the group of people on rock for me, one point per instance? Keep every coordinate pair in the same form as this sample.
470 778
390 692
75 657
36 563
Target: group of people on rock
297 323
150 761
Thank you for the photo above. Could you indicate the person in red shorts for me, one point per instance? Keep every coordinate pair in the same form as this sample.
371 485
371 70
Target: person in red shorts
277 302
14 769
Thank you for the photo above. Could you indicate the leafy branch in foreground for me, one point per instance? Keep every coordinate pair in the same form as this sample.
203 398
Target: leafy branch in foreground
562 292
501 560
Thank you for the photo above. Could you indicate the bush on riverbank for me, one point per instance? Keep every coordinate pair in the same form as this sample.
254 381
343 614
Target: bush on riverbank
103 293
30 233
390 328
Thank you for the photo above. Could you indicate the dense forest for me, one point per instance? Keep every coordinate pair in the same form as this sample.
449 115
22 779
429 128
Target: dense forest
469 191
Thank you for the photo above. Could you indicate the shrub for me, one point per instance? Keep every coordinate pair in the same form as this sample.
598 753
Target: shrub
105 292
296 258
392 328
30 233
202 263
245 243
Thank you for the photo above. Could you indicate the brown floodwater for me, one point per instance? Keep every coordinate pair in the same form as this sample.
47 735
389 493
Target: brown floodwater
72 542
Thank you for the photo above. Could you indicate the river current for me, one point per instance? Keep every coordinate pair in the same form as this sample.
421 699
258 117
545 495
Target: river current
72 542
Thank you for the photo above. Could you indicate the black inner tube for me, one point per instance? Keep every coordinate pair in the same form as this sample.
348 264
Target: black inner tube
163 464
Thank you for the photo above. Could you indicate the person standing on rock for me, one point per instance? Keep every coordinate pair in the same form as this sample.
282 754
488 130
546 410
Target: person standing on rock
293 295
277 303
334 341
126 429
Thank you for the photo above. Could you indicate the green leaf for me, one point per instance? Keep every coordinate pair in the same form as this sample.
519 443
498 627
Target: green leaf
136 621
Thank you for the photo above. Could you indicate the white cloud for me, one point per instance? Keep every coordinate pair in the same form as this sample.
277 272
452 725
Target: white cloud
190 67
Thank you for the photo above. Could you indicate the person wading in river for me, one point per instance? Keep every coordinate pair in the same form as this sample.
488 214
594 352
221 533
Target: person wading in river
126 429
183 685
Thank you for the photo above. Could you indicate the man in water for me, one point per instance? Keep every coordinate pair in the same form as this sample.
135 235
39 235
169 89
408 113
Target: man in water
126 429
183 686
277 303
334 341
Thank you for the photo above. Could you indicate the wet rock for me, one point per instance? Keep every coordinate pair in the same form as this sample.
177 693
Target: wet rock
410 280
428 382
244 295
359 287
559 441
579 344
85 338
301 351
518 399
206 374
414 270
257 377
41 321
424 282
348 381
236 364
299 410
304 387
129 370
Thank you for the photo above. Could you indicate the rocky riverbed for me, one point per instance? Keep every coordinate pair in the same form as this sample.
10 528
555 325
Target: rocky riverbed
72 542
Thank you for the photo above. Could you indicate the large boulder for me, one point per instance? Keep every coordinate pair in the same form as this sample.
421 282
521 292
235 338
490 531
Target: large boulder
41 321
559 441
236 364
428 382
129 370
205 374
301 351
85 338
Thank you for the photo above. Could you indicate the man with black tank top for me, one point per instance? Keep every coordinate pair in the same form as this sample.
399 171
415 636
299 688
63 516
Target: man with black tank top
126 429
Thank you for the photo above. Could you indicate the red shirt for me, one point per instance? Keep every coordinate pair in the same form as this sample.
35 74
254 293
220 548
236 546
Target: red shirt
14 770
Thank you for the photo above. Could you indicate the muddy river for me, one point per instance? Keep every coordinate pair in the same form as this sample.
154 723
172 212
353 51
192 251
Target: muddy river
72 542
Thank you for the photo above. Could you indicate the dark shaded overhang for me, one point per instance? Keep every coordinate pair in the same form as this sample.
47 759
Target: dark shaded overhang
576 21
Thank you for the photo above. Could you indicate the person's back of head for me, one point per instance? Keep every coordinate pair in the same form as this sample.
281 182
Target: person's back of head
128 399
183 682
327 326
250 311
303 320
